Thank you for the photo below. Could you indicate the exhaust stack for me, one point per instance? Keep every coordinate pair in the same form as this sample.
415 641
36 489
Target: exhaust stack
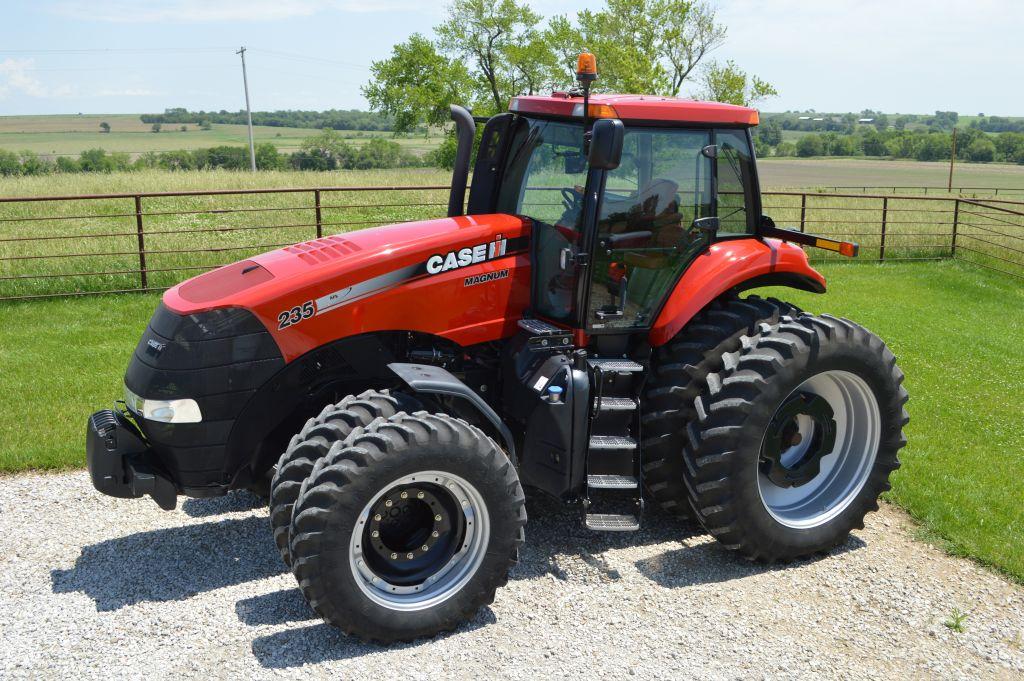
465 128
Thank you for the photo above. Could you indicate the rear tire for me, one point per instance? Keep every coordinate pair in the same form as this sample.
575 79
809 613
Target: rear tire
680 368
334 423
795 439
368 553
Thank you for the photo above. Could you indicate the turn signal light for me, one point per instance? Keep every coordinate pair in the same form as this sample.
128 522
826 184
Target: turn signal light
596 111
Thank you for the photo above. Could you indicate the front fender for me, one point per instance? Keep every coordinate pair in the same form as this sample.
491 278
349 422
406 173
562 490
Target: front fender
733 264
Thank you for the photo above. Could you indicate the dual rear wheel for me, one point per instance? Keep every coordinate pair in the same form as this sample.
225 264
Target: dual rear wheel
789 442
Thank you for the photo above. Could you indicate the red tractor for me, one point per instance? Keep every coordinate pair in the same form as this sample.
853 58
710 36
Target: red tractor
575 327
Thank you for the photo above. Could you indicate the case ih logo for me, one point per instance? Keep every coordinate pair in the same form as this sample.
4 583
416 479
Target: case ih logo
465 257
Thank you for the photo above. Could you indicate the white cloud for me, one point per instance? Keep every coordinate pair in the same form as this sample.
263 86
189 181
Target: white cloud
15 79
211 11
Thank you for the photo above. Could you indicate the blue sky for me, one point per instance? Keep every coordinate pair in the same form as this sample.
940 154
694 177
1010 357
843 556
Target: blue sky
125 56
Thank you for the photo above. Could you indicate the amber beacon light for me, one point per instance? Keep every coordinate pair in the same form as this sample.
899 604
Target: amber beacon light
586 67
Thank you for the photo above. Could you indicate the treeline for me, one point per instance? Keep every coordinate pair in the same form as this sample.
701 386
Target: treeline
335 119
922 145
323 152
848 123
998 124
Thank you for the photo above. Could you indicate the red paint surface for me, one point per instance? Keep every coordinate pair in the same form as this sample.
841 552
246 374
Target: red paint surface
642 108
437 304
725 265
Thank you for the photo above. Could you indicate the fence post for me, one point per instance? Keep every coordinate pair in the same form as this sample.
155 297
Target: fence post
319 219
803 210
885 217
142 242
956 224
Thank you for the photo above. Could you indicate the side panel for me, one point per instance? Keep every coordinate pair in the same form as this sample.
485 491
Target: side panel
727 265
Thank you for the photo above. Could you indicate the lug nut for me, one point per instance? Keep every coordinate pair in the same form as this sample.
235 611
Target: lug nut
435 533
375 534
388 503
408 555
426 548
377 517
437 517
394 555
405 495
419 495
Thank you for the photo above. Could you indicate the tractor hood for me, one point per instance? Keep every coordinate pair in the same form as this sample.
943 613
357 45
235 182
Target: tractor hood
464 278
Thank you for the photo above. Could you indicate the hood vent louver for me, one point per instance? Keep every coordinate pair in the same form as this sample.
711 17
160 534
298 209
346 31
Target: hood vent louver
324 249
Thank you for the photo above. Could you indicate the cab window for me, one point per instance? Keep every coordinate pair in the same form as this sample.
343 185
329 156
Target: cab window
645 237
734 182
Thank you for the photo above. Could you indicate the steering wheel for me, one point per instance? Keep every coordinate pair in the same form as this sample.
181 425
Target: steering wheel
570 198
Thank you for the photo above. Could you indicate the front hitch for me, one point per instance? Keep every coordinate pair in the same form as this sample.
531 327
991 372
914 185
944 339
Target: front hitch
119 461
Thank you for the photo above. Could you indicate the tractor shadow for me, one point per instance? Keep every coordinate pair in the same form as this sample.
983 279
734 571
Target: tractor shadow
316 643
174 563
557 544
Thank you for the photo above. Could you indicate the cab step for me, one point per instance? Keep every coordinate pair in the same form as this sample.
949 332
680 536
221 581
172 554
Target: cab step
622 366
611 522
611 442
612 482
616 404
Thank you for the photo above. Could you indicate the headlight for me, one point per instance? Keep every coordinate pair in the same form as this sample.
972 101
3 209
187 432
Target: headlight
166 411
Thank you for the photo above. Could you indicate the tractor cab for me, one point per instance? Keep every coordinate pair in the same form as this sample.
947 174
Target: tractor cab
623 193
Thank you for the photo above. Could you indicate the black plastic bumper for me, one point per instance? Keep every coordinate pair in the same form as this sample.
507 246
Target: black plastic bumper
119 461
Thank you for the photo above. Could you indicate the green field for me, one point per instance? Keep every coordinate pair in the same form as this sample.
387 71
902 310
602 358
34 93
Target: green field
962 474
72 134
820 172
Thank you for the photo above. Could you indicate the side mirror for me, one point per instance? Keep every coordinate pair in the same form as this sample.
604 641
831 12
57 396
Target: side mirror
708 225
606 144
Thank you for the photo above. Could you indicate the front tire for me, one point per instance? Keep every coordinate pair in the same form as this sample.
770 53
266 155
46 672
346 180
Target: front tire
408 529
334 423
795 439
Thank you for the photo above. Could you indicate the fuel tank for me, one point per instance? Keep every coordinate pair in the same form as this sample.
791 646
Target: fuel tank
465 278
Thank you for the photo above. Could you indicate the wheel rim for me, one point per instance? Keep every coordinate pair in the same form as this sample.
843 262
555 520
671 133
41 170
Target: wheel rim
419 540
819 450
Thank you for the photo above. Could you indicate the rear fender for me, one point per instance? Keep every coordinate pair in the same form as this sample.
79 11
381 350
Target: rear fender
733 265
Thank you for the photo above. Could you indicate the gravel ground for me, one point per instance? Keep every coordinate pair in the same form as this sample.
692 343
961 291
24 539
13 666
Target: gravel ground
94 587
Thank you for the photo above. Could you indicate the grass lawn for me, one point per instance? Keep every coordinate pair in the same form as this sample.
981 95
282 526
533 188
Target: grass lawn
956 332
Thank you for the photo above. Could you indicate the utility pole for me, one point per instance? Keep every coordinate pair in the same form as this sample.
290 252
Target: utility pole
248 111
952 160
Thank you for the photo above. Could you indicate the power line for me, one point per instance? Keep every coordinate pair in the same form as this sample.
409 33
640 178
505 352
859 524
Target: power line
302 57
123 50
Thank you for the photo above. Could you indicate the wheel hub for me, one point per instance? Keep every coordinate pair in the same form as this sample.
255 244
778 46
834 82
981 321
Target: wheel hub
801 433
412 531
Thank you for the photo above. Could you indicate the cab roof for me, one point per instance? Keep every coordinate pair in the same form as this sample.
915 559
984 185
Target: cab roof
636 107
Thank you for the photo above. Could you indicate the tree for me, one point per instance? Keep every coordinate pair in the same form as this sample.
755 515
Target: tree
489 51
205 125
810 145
156 127
935 147
729 83
500 39
644 46
104 127
981 150
417 83
770 132
183 128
